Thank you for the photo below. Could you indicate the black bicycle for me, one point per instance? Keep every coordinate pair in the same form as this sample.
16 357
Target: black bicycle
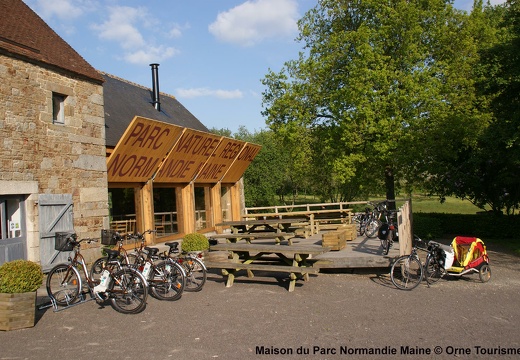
388 232
408 271
374 221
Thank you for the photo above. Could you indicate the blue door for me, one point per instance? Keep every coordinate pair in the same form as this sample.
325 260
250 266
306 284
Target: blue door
13 234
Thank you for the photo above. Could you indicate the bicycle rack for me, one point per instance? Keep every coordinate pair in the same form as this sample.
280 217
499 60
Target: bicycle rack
81 299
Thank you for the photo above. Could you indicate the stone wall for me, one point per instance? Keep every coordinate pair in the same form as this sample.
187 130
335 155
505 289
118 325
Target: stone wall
60 158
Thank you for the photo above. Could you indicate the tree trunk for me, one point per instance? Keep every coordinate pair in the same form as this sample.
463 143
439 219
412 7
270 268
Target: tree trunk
390 187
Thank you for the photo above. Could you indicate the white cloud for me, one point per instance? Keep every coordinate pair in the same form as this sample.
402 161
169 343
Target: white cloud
201 92
120 27
63 9
150 54
177 30
256 20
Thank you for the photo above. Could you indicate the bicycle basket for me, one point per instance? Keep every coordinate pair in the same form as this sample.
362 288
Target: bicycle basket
61 242
109 237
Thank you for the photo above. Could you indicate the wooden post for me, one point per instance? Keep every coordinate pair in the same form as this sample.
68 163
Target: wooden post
178 207
139 222
404 223
208 206
236 201
186 208
147 218
216 206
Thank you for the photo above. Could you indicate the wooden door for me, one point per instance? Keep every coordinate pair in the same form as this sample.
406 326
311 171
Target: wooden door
55 215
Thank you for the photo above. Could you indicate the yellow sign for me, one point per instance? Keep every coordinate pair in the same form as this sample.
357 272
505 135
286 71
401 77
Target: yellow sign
220 161
239 166
188 157
174 154
140 151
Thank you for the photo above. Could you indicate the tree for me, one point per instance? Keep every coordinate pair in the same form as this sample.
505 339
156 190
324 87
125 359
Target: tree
264 178
496 160
375 83
222 132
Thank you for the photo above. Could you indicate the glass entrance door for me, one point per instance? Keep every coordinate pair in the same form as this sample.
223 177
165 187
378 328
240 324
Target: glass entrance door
13 238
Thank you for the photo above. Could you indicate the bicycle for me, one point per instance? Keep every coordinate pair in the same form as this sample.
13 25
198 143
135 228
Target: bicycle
388 232
123 286
374 221
408 271
361 219
166 279
111 238
194 267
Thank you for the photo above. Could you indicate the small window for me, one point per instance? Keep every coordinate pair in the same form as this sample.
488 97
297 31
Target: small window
58 108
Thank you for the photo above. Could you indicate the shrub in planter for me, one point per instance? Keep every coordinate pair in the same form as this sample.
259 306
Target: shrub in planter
194 242
19 280
20 276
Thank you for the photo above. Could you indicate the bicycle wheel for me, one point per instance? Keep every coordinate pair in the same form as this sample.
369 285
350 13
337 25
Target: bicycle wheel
97 269
63 284
406 272
360 225
195 274
133 259
372 227
433 270
127 291
167 281
484 273
386 242
98 266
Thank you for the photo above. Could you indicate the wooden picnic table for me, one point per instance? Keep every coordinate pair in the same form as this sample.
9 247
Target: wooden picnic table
313 217
248 237
291 259
271 225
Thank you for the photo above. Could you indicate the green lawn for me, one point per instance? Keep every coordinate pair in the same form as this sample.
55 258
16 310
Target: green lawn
427 204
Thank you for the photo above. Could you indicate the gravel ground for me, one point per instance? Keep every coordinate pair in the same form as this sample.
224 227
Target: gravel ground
348 315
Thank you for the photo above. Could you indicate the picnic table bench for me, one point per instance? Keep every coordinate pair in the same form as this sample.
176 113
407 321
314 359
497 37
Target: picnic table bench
313 219
248 237
291 259
248 226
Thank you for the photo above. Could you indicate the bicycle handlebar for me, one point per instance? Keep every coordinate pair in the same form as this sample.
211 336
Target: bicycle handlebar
73 240
139 235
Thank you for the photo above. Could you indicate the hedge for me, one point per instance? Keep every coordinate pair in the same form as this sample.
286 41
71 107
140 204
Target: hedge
437 225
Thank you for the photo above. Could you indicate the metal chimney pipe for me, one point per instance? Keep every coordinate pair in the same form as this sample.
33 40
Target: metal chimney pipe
155 87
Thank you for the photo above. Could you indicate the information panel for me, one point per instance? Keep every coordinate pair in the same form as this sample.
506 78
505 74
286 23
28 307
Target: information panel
188 157
239 166
220 161
139 153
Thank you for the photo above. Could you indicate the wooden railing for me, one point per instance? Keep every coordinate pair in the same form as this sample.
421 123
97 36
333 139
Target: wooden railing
303 207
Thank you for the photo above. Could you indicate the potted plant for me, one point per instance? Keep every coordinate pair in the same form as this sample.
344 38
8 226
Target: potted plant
194 243
19 281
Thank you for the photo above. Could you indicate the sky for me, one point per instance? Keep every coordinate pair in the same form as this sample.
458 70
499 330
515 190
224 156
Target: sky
213 54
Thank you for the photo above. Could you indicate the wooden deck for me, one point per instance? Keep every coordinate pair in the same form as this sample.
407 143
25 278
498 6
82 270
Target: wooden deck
359 253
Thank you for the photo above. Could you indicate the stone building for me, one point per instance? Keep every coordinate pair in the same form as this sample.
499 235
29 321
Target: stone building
52 151
73 139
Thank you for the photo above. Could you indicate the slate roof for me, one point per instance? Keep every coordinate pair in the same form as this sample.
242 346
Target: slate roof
124 100
25 35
